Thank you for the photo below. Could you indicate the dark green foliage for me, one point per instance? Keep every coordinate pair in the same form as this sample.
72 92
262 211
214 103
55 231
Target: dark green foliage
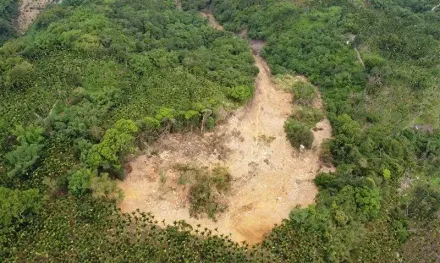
23 158
129 238
8 12
298 134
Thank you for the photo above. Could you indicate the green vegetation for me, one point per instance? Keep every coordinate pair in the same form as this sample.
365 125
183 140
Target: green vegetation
298 134
8 12
300 124
384 118
94 80
206 189
89 83
241 93
305 93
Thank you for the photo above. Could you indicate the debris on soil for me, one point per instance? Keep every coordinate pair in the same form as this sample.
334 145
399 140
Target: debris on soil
268 177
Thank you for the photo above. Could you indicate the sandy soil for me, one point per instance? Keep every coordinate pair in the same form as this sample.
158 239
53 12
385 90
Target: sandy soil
269 176
29 10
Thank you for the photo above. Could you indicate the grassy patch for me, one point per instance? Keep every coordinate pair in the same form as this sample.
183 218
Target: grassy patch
206 188
305 93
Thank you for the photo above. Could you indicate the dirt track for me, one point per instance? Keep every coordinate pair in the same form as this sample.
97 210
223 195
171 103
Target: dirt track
269 176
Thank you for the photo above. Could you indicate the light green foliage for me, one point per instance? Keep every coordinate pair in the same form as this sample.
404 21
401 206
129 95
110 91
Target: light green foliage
191 114
30 134
345 125
386 174
116 142
16 206
148 124
80 181
20 76
308 115
241 93
368 199
165 114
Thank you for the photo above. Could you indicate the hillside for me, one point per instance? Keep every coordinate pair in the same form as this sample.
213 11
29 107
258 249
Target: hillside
168 131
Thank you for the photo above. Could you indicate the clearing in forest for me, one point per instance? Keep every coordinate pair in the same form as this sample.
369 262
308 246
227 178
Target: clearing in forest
269 177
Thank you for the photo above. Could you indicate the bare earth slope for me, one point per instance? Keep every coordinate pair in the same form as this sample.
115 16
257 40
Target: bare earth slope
269 176
29 10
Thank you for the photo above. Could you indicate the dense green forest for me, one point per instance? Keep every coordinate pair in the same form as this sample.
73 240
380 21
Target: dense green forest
93 81
8 12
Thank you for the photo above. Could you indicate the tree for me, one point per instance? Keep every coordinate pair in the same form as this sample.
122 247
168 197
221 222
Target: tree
16 205
79 182
368 199
23 158
298 134
116 142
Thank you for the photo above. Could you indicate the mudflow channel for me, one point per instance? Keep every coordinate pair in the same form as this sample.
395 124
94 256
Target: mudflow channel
270 178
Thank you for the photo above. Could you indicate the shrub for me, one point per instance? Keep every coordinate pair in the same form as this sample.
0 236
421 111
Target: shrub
221 178
309 116
298 134
305 93
103 186
21 75
23 158
326 155
368 199
117 142
79 182
241 93
206 189
15 205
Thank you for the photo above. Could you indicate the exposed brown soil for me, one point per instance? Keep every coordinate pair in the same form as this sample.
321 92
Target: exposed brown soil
212 21
29 10
270 178
179 4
